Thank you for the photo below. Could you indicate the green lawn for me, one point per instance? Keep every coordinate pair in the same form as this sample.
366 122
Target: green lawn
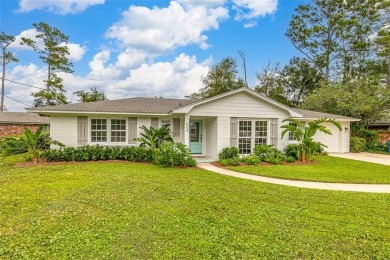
327 169
123 210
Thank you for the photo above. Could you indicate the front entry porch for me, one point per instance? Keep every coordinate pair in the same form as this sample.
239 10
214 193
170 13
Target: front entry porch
200 135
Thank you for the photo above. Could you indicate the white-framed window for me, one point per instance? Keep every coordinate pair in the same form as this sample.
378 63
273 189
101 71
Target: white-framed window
107 130
176 127
291 137
98 130
251 132
118 130
165 122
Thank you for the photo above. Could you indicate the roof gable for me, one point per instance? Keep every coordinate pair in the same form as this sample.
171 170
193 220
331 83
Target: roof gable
189 107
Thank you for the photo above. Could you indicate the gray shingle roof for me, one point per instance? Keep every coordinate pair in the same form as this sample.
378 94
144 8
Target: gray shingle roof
22 118
128 105
315 114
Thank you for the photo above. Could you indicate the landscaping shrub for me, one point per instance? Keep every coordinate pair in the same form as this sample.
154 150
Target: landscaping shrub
290 159
375 147
229 156
251 159
292 150
268 153
357 144
12 145
174 154
230 162
371 139
228 153
169 154
99 152
318 149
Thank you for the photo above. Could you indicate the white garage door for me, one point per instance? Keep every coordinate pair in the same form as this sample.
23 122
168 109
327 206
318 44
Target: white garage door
332 141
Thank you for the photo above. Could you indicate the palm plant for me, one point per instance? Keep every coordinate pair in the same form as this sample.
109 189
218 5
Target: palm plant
153 138
304 135
36 142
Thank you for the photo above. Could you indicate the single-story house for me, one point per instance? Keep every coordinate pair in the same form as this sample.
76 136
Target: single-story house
241 118
14 123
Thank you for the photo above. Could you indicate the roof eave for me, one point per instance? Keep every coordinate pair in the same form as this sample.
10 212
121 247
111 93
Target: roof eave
45 112
338 119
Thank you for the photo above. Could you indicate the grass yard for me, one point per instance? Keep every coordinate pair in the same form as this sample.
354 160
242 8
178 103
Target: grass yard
122 210
327 169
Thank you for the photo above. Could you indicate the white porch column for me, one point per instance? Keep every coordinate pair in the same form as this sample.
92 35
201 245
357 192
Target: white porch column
187 130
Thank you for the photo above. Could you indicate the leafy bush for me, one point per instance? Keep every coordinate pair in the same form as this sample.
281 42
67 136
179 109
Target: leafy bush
230 162
228 153
292 150
174 154
375 147
290 159
168 155
154 138
357 144
268 153
251 159
12 145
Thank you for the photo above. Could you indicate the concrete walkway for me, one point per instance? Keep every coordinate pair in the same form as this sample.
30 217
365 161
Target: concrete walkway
377 188
365 157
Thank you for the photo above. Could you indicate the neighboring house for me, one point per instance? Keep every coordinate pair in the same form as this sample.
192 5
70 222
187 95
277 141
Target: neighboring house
241 118
380 125
14 123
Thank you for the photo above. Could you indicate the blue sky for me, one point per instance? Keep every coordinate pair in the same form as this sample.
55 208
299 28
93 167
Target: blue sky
132 48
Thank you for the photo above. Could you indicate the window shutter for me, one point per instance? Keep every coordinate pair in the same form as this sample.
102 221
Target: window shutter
154 122
274 132
233 131
82 130
176 127
132 122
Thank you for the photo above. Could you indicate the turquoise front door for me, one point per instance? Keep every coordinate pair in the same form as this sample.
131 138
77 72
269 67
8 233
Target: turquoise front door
196 136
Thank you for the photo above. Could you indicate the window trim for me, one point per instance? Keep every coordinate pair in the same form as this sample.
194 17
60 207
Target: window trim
108 142
253 132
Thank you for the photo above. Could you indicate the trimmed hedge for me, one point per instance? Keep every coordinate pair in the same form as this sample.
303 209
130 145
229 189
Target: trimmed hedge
98 153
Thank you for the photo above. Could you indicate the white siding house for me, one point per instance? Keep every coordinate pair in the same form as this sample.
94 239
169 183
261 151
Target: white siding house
241 118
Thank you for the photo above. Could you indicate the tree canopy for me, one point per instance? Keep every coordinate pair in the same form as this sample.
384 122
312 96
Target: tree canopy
221 78
54 53
90 96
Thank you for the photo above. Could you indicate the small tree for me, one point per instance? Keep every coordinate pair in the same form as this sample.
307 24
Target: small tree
153 138
304 135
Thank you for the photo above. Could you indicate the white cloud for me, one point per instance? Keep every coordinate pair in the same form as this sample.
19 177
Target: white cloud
250 10
159 30
58 6
76 51
30 33
168 79
131 58
174 79
207 3
100 69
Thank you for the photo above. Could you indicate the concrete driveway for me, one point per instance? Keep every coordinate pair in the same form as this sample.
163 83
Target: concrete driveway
365 157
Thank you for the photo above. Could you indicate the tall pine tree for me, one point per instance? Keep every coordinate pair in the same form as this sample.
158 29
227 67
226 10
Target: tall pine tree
54 54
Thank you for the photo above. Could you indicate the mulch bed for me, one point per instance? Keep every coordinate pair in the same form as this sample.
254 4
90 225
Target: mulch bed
267 164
